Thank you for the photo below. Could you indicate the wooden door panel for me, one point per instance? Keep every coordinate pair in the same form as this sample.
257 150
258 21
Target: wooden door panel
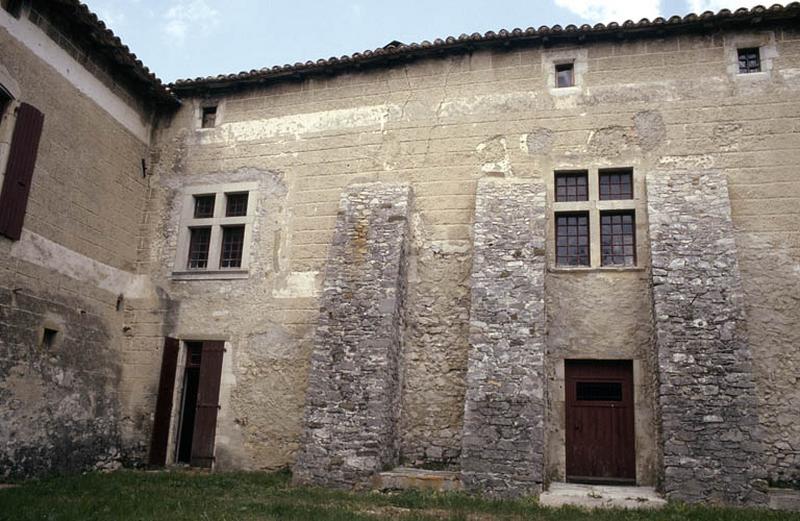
19 170
205 423
163 415
599 420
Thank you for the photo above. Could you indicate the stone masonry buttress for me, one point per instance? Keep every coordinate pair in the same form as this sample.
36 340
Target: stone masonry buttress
503 440
707 394
353 400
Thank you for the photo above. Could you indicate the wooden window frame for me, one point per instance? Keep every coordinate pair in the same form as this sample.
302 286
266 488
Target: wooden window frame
559 215
216 222
747 52
567 174
233 243
632 214
607 174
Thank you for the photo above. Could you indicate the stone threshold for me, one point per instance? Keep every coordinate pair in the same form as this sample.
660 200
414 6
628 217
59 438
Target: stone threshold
784 499
601 496
405 478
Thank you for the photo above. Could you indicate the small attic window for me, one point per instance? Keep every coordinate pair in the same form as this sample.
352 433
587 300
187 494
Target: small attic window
209 117
749 60
565 75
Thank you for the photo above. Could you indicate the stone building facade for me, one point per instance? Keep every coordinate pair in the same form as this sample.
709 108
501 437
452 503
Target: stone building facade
351 265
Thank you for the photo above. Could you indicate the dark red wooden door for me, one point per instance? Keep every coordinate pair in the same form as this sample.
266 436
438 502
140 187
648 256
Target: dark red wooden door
19 170
166 384
205 423
599 421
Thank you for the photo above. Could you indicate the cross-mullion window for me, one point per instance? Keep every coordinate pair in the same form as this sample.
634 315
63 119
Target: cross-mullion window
572 239
618 238
216 231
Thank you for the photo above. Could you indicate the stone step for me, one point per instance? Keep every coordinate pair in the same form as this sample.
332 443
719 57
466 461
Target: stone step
405 478
600 496
784 499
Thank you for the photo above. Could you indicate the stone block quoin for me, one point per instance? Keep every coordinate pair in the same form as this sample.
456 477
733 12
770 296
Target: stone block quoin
353 398
503 434
707 396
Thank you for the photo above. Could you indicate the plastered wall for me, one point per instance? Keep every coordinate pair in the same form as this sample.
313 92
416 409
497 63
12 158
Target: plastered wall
73 271
442 124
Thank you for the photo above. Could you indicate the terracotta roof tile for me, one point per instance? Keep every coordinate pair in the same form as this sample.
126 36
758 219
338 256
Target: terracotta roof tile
108 44
452 43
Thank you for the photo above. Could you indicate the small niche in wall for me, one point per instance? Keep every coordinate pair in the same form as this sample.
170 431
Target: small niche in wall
49 338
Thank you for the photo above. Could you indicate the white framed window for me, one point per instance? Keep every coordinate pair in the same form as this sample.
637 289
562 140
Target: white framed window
216 228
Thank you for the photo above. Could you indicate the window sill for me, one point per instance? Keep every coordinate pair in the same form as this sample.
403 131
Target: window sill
586 269
752 76
211 275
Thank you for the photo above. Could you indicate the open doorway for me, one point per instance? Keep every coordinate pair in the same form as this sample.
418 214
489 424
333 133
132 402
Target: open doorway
193 429
191 384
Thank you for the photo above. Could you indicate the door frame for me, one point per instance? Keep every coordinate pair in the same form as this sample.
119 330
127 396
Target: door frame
178 389
595 370
645 409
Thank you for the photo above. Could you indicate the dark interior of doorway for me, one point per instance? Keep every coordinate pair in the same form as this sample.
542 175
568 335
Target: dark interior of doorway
191 382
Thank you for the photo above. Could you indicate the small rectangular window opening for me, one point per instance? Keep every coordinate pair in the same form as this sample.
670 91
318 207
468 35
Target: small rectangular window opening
598 391
209 118
49 337
236 205
204 206
565 75
749 60
572 186
572 239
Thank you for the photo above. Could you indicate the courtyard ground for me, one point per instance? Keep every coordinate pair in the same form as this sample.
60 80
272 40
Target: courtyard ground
177 496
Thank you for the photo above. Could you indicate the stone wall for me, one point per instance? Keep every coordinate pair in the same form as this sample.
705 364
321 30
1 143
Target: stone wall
353 399
435 357
707 396
72 271
503 441
440 124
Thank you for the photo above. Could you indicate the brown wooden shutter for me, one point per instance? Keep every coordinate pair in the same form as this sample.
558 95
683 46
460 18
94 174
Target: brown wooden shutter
19 170
205 423
166 384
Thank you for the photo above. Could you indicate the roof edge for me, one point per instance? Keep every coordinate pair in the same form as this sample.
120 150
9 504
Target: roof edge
397 51
107 44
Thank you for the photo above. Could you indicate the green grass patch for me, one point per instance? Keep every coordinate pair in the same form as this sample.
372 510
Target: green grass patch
178 496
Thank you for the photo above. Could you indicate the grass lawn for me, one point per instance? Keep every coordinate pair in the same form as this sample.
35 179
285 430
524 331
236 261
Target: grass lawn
176 496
